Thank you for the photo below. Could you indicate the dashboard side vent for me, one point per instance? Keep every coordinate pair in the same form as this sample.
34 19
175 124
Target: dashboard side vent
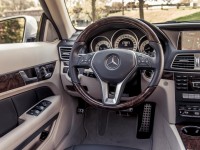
184 61
65 53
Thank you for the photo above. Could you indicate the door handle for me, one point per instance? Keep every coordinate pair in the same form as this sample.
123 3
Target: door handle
26 79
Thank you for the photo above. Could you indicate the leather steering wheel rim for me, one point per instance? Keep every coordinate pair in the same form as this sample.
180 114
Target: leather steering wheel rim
100 26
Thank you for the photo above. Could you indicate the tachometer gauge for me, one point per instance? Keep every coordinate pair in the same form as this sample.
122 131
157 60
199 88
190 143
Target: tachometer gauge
100 43
146 48
126 41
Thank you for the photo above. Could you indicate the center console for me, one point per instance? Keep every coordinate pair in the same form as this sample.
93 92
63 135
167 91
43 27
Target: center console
187 97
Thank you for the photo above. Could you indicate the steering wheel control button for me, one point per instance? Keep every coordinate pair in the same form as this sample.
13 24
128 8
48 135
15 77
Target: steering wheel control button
112 62
35 111
89 74
85 60
144 61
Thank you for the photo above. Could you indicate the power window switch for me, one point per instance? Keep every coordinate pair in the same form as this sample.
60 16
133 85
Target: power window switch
36 112
30 112
39 107
33 112
45 103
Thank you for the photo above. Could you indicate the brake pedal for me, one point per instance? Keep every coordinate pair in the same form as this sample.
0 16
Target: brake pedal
146 120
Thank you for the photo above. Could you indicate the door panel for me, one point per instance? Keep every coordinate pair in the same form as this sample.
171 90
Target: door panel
31 125
12 108
17 128
16 57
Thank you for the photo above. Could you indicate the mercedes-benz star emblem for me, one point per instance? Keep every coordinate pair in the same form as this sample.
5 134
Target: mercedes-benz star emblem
112 62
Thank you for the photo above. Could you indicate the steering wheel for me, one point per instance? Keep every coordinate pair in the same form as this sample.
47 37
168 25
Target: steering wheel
115 66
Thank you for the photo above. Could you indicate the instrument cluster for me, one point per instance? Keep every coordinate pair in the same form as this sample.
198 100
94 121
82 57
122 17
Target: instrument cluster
123 39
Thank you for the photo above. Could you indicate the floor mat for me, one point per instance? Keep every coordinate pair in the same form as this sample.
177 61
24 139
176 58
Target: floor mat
117 130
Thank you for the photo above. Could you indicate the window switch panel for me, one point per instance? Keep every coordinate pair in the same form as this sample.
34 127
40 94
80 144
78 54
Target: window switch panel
35 111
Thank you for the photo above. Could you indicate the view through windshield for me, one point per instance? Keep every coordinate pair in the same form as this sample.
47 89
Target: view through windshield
84 12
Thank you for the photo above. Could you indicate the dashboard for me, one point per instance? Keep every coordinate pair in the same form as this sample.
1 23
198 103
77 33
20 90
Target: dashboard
129 39
181 75
181 46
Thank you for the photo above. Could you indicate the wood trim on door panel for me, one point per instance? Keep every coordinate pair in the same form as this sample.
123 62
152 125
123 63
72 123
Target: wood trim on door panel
10 81
14 80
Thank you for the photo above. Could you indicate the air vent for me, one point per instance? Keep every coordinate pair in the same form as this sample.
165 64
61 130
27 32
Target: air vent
184 61
65 53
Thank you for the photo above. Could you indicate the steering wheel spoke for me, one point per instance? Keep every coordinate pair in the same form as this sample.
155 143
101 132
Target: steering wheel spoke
109 99
146 62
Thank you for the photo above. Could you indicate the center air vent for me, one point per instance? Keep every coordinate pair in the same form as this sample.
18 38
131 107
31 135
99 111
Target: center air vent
184 61
65 53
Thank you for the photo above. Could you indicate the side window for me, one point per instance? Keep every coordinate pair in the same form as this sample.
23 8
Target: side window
46 30
19 20
12 30
50 34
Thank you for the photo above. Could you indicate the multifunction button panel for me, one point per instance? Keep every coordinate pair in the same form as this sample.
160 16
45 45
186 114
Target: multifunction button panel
35 111
187 87
187 93
144 60
189 111
187 82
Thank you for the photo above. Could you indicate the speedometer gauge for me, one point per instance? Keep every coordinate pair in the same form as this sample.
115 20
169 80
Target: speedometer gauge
100 43
126 41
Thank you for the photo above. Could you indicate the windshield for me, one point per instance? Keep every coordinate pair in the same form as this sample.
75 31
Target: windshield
84 12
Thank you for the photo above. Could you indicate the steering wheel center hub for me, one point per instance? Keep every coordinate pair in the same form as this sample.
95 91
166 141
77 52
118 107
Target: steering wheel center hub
112 62
113 65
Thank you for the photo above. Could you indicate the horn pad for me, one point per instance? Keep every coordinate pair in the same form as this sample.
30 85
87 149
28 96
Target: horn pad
113 65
